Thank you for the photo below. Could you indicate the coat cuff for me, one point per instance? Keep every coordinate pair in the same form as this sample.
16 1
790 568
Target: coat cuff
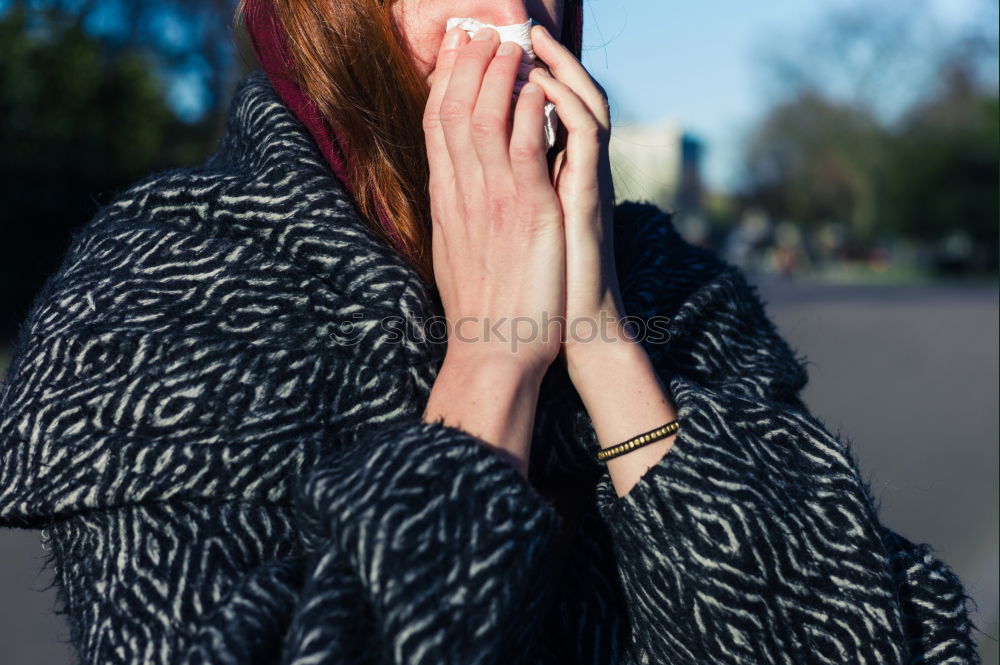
757 533
451 545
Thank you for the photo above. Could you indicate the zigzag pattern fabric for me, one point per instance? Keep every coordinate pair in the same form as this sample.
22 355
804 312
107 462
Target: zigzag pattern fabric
214 413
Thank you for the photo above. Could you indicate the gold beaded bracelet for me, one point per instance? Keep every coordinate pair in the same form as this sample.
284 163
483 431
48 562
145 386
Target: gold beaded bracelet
638 441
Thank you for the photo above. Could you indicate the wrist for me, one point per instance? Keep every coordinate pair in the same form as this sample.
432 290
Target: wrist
598 329
595 358
624 396
498 363
490 397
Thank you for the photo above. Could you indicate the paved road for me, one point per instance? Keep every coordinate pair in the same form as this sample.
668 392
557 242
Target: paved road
908 374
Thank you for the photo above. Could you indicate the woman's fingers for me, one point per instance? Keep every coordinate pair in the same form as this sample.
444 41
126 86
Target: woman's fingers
566 68
437 150
527 147
460 99
491 117
585 133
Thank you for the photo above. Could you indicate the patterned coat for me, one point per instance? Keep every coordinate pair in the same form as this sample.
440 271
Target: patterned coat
214 412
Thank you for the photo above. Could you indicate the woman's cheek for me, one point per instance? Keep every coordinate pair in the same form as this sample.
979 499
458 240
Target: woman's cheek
423 36
424 54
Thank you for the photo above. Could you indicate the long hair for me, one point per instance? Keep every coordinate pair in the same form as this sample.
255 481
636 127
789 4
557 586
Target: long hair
353 63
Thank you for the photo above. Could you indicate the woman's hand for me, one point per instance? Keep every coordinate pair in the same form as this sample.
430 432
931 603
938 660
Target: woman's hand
499 250
612 373
498 241
582 177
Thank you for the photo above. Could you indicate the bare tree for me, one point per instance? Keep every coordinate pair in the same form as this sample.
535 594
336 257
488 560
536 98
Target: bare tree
875 57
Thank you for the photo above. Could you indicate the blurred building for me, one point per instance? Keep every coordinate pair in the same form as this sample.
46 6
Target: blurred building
688 199
660 163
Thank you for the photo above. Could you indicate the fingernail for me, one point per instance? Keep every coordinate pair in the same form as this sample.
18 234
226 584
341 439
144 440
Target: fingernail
452 38
507 48
483 34
529 88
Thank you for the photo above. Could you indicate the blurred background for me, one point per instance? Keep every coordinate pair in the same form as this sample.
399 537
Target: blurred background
844 154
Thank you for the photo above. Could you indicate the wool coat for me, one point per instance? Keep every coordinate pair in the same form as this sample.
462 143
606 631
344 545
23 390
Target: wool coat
213 412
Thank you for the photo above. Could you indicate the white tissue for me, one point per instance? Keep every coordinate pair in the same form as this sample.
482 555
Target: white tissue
520 34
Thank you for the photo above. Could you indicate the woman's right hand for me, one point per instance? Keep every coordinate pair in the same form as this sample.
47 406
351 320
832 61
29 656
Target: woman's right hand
498 239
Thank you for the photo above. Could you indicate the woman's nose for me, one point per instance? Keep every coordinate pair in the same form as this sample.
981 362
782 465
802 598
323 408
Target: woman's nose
496 12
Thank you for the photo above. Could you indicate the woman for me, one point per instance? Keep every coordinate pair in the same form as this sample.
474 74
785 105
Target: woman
228 414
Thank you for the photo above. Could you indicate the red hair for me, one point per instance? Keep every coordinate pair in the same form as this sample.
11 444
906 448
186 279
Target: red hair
365 120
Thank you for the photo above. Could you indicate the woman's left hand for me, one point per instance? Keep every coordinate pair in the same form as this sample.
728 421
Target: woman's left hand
612 373
582 178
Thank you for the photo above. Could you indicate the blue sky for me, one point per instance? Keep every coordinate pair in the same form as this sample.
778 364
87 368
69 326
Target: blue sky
696 61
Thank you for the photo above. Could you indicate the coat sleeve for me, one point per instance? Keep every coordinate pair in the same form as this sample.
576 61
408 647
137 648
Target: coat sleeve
450 544
755 540
199 498
419 545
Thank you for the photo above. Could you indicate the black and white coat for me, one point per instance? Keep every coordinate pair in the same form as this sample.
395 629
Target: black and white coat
221 437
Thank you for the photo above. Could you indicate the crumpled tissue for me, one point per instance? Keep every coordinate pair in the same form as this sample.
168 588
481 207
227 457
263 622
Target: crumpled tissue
520 34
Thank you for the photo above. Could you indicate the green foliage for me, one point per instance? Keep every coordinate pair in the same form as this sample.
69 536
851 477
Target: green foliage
69 109
813 161
827 151
81 117
945 169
